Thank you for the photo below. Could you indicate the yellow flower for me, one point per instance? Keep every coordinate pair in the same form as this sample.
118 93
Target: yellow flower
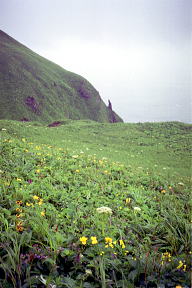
180 264
94 240
166 256
77 170
29 204
35 197
19 226
109 245
121 242
83 240
43 213
18 210
178 286
18 179
163 191
108 240
19 202
128 200
38 171
40 202
101 253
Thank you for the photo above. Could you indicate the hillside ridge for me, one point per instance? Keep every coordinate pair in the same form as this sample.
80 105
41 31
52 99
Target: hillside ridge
34 88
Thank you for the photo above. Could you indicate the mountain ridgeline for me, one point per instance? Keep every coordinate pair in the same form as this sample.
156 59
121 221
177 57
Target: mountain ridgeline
33 88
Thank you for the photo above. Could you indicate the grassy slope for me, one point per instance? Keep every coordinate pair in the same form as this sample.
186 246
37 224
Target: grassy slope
58 93
154 145
147 166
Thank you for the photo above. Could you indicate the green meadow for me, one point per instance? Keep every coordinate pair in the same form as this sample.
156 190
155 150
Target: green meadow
89 204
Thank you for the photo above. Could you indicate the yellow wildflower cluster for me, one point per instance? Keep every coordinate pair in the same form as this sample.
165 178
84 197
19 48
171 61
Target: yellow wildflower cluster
19 214
19 225
166 256
182 266
109 242
29 204
40 200
84 239
38 147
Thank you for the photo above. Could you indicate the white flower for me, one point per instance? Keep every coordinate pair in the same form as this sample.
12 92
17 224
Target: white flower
75 156
104 209
88 272
3 129
44 281
137 209
181 184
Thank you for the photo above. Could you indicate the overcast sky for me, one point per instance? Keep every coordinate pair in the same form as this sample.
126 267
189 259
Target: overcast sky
137 53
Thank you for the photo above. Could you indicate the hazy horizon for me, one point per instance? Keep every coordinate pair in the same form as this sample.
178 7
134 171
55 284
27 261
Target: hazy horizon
137 53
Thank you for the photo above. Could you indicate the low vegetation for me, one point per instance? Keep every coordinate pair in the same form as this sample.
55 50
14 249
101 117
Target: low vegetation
87 204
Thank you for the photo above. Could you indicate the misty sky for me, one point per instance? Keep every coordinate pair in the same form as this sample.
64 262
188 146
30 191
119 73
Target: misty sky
137 53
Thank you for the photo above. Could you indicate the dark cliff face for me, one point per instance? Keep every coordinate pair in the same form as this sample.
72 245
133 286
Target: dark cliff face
34 88
113 117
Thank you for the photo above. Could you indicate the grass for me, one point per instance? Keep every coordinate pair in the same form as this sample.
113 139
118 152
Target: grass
53 180
34 88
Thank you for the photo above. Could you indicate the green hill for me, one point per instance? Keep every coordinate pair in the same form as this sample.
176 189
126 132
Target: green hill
34 88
